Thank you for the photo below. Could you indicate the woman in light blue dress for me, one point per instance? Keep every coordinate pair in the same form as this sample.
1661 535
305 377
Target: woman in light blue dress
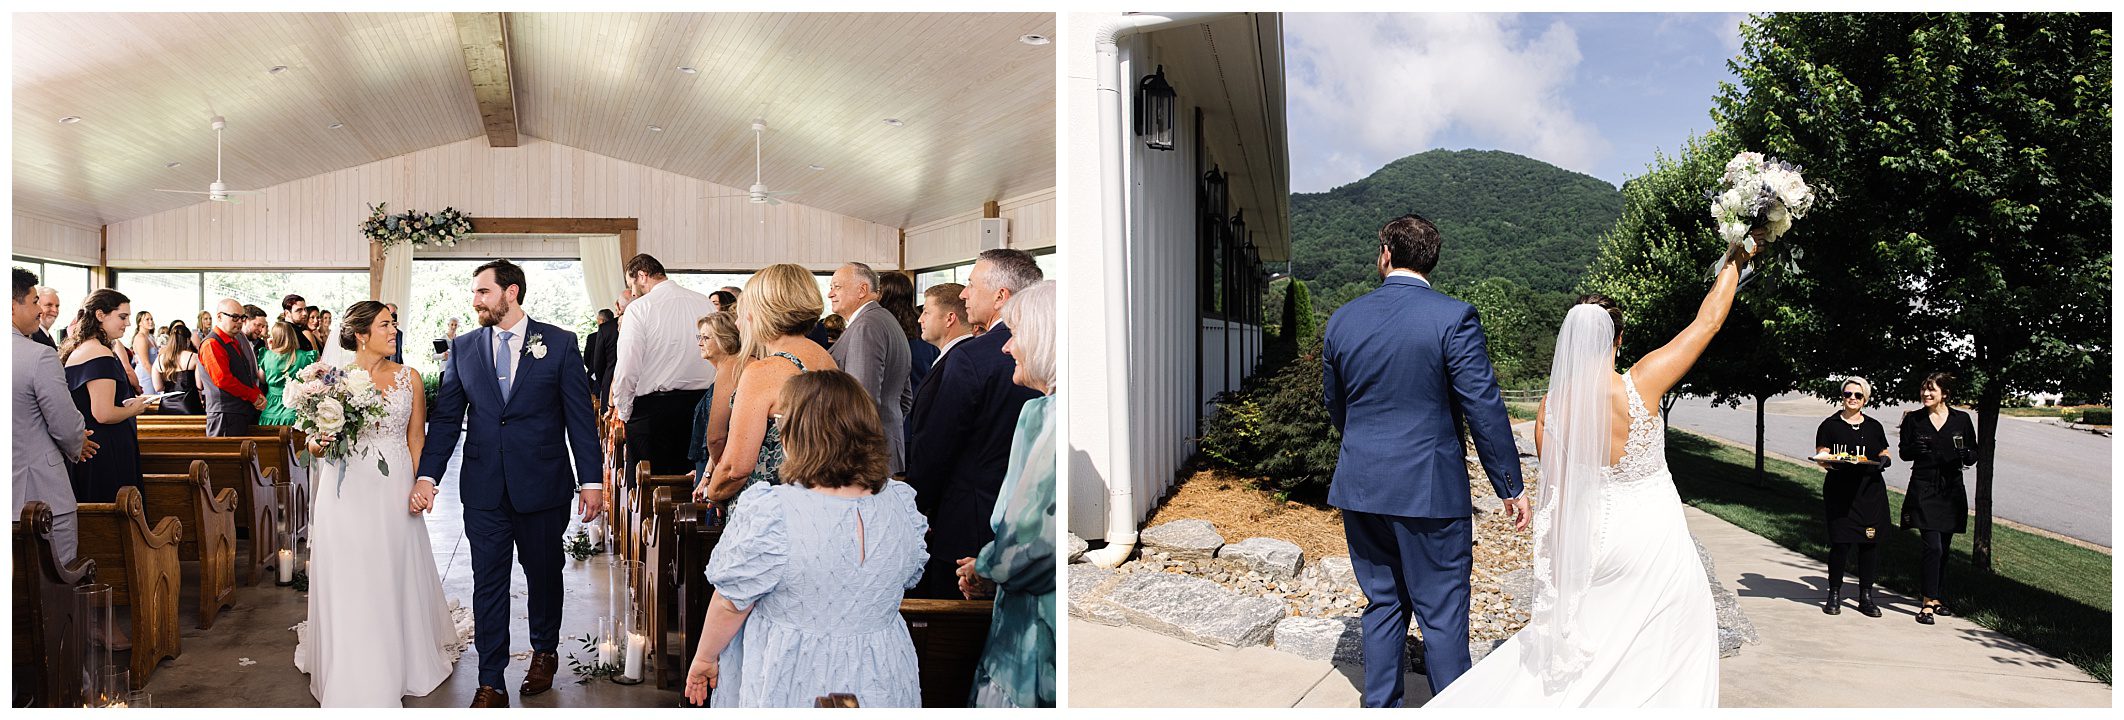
809 574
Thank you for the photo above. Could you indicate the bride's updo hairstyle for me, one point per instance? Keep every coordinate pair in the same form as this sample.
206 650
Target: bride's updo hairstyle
357 321
1606 303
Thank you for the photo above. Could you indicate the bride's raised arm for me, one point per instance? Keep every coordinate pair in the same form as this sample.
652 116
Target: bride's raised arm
1658 371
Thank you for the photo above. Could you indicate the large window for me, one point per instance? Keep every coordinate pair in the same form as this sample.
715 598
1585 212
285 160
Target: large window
182 295
442 290
706 283
1050 269
72 282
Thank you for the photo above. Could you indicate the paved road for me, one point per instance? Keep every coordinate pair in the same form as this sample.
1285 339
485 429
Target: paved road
2048 476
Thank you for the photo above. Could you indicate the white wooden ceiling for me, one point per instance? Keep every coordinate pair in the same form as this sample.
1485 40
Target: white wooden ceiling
977 105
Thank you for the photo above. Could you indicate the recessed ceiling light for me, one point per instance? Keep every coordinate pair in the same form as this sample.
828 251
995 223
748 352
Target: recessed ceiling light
656 128
172 165
895 122
277 69
816 166
1034 39
688 69
336 126
70 119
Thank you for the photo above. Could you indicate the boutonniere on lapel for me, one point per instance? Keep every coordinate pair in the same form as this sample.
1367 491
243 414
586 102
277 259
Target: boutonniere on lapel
535 346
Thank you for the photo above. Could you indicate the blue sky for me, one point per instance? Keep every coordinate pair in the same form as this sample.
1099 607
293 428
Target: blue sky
1591 92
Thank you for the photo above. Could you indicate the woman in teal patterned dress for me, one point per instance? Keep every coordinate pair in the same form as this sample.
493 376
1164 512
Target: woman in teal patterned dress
281 361
1018 666
779 305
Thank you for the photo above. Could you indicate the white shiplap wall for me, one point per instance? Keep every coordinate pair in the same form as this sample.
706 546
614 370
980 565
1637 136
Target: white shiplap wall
311 223
46 239
957 239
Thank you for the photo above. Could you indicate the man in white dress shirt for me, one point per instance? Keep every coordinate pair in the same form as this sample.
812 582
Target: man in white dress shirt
659 375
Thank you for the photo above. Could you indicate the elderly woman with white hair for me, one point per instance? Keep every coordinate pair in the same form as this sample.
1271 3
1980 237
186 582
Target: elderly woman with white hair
1854 449
1018 567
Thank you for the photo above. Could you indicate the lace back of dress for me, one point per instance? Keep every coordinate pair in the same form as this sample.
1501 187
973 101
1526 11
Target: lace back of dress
1645 451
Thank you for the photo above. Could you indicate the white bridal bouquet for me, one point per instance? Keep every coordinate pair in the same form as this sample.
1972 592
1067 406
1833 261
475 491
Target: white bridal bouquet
334 401
1759 191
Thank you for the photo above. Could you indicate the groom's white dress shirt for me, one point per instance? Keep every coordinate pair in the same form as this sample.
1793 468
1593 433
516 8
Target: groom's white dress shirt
657 350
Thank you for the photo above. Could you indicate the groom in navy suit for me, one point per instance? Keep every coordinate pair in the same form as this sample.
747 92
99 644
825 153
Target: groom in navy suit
1405 367
523 383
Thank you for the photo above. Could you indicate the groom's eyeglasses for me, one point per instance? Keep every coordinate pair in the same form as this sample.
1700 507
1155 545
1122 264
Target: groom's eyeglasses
1851 395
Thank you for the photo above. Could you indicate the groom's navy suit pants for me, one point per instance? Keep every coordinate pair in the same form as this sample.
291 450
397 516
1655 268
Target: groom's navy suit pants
535 539
1410 565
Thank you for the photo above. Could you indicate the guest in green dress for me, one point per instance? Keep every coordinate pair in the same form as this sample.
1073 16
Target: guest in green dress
281 361
1018 667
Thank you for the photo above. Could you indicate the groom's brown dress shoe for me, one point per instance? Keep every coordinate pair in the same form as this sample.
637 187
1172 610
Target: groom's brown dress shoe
539 678
490 696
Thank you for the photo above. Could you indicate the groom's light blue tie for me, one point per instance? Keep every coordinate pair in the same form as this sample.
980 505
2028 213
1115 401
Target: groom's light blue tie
503 365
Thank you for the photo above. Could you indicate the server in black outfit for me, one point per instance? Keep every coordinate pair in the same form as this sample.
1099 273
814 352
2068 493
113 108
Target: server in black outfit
1854 496
658 376
1938 441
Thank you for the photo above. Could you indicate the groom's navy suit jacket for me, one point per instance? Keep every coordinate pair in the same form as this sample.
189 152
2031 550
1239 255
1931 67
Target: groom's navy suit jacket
1405 366
517 450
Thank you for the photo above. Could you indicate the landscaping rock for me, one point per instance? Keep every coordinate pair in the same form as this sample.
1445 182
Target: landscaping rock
1268 556
1183 540
1521 585
1488 504
1338 640
1077 546
1336 571
1734 627
1195 610
1088 585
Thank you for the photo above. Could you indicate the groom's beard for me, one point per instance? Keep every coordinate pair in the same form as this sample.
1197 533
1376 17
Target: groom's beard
491 317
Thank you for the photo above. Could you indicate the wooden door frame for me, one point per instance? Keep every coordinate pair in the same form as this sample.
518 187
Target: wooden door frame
626 228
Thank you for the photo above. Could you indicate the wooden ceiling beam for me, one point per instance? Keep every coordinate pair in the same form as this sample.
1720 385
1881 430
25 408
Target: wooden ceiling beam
484 39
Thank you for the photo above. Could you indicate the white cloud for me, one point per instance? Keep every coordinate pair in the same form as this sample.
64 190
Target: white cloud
1368 89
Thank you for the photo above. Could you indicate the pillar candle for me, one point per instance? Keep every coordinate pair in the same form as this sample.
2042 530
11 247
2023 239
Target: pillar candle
636 645
286 566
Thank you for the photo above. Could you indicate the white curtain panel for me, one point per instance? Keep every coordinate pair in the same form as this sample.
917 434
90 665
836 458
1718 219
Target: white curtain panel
398 276
603 276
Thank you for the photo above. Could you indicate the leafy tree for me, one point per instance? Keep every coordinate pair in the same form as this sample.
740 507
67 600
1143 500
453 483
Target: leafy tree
1970 153
1299 323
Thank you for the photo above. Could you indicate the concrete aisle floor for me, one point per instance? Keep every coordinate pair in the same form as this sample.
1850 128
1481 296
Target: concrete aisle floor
1805 659
246 659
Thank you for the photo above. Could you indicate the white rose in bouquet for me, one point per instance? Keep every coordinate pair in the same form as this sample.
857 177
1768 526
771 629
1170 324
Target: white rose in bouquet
330 417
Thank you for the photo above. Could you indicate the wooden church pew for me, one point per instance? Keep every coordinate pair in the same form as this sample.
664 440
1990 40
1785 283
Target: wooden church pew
257 499
48 632
140 562
209 521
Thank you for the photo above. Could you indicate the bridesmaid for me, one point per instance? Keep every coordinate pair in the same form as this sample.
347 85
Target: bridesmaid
1854 497
1938 441
103 392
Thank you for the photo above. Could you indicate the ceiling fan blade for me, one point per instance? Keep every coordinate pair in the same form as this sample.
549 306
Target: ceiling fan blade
783 193
187 192
772 201
723 197
230 200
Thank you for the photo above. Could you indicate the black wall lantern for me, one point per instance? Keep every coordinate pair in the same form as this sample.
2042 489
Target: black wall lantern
1239 226
1156 114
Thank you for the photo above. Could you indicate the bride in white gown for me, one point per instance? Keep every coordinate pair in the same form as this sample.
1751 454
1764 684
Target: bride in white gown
378 627
1623 614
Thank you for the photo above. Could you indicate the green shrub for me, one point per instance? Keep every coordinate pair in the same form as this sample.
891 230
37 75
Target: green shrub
1277 428
1299 324
2094 416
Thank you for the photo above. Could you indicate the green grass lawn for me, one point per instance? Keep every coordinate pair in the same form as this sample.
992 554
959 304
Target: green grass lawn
2050 594
1522 411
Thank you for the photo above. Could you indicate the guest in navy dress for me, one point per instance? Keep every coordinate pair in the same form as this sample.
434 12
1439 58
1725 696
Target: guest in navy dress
102 387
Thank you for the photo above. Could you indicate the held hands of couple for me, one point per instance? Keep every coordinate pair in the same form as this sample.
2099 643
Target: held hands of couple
423 497
592 502
88 447
971 584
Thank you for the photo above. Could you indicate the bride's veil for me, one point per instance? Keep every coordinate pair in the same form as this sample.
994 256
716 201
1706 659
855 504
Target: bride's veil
1574 450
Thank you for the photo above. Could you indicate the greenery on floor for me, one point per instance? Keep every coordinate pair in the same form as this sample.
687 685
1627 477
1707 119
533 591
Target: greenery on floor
2050 594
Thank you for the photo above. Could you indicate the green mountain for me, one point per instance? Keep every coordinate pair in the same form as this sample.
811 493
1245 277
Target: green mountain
1502 215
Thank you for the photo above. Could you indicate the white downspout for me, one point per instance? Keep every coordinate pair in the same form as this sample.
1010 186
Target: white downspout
1113 240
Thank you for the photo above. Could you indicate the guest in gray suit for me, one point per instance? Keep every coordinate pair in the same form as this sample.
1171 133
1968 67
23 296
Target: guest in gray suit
874 349
48 430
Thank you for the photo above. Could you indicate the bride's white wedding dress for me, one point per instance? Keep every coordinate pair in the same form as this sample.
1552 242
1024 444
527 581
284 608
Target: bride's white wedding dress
379 628
1645 621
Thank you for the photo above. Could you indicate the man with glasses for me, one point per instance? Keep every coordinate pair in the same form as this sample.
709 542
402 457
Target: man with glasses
229 372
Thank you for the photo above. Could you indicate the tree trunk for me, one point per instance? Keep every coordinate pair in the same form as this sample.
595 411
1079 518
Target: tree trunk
1987 440
1666 406
1761 479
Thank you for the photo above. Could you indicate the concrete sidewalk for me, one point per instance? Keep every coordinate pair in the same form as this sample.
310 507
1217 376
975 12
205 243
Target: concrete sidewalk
1805 659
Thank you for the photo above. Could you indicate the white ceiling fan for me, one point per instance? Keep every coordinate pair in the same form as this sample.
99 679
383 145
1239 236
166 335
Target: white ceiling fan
217 191
757 194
